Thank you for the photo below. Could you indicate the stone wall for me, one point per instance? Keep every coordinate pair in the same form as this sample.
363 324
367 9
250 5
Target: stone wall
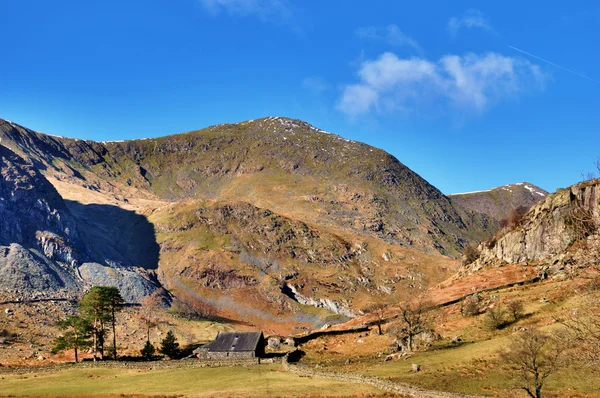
226 355
141 365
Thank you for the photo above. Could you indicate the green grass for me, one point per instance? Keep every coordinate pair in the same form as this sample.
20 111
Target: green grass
472 368
255 381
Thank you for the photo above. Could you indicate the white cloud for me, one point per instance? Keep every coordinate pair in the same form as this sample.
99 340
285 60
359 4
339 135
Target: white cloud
316 85
391 34
266 10
471 82
473 18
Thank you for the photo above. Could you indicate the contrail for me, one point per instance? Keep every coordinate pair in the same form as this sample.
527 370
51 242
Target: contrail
556 65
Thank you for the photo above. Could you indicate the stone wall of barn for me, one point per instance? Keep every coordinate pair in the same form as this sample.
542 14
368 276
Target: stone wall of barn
226 355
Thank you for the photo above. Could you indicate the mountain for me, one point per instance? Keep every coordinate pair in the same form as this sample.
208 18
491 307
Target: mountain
272 222
281 164
560 231
497 203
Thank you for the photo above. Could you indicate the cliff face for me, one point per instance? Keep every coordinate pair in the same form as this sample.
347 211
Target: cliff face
550 227
32 213
41 246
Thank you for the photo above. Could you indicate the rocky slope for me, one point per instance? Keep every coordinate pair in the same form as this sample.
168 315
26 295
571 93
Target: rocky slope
498 202
563 228
42 250
285 165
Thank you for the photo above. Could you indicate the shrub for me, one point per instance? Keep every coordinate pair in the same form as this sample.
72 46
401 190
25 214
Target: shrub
515 309
470 306
494 318
471 254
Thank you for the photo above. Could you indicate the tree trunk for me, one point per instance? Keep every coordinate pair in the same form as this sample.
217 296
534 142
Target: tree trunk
95 338
114 332
75 344
529 392
101 334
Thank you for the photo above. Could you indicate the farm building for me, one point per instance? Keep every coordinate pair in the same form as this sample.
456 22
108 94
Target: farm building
233 345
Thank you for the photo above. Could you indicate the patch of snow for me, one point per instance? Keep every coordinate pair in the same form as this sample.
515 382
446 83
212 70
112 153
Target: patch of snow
466 193
532 190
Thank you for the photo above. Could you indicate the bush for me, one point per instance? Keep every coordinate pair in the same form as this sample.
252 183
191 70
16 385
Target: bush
471 254
515 309
495 318
514 217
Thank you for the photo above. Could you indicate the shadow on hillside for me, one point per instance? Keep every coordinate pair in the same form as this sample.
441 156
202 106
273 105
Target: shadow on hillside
115 234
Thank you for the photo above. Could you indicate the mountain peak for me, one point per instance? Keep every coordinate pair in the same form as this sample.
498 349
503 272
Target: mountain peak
500 201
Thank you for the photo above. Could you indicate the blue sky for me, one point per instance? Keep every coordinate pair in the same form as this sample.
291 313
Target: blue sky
434 83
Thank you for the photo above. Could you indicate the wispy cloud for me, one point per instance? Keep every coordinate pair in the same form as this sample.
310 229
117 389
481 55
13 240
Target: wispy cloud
266 10
390 34
471 83
316 85
472 19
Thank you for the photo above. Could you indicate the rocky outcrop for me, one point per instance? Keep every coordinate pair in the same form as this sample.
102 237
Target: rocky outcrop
334 306
132 285
40 244
550 227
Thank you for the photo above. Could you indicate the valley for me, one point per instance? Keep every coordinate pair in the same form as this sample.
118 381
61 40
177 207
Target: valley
274 225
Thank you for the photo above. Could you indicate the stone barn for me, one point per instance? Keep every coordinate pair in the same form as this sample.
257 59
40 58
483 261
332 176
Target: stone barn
233 345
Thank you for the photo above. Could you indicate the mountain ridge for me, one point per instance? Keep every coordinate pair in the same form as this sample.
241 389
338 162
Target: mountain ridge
499 202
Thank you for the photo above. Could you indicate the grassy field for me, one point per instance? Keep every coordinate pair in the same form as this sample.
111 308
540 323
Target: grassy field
255 381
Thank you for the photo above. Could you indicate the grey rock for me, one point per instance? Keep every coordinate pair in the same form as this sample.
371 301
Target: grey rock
132 285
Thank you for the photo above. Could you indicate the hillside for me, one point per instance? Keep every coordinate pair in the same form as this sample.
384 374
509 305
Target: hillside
284 165
271 222
497 203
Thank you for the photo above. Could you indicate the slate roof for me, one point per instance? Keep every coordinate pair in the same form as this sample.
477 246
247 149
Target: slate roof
235 341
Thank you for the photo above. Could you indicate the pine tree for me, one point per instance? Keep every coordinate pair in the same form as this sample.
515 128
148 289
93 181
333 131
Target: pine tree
148 350
77 333
99 306
169 345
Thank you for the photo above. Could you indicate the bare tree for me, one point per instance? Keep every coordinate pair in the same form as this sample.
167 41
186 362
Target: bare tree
584 326
515 309
533 357
148 314
415 318
470 255
377 309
